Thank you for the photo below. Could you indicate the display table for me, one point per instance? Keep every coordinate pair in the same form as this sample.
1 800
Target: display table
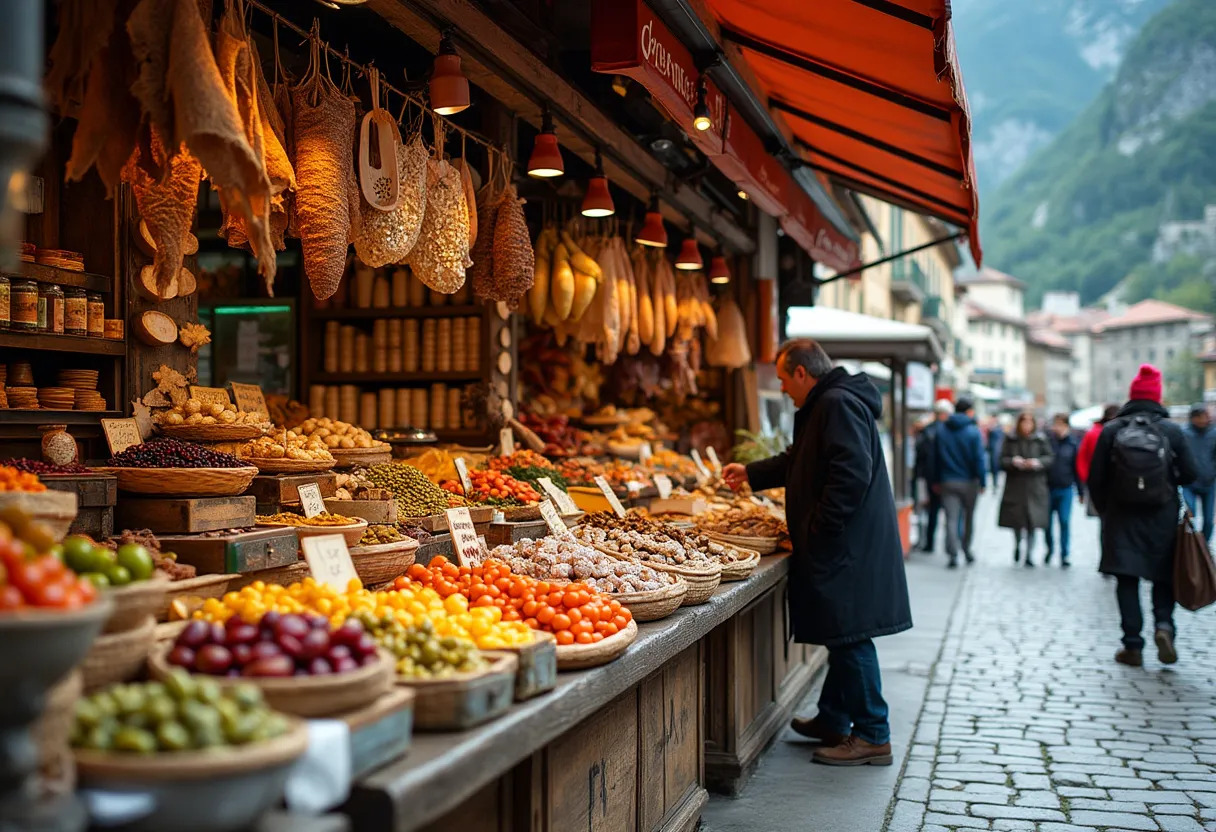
620 746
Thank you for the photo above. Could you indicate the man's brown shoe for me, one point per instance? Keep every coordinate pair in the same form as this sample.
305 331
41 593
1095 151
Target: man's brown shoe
813 729
854 752
1130 657
1165 646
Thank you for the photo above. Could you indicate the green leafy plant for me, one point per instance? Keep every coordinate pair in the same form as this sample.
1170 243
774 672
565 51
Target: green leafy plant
753 447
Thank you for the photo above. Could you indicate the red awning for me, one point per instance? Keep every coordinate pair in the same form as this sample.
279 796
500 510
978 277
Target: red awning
873 93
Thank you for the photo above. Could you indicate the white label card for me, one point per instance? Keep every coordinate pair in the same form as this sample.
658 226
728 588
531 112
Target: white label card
466 546
557 527
712 453
249 398
462 470
329 561
696 460
610 495
663 483
564 502
506 438
645 453
310 499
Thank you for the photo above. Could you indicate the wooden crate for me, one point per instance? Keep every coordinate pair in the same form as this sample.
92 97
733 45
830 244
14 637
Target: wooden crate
91 490
381 732
439 544
186 515
251 551
537 672
592 776
504 534
373 511
95 522
283 489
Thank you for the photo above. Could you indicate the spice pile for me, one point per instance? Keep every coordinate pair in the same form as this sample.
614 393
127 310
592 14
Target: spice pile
171 453
551 559
286 518
416 495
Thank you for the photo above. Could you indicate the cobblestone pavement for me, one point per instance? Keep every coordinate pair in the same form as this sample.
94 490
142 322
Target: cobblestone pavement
1030 726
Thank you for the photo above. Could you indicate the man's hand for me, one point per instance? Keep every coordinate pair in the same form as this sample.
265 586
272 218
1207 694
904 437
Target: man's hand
735 475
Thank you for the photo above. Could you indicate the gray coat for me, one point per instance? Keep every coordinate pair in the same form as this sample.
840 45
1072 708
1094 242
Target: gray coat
1026 503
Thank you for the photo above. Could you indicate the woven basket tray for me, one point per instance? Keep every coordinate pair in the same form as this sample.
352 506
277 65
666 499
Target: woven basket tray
118 657
655 604
352 532
53 730
290 466
763 545
305 696
349 457
203 586
99 766
467 699
579 656
210 433
135 602
184 482
702 583
743 568
383 562
282 575
54 509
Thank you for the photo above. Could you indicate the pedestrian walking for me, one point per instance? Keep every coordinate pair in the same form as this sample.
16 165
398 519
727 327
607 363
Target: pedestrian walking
846 581
1201 494
994 442
1026 503
1086 454
1140 460
926 461
961 474
1062 483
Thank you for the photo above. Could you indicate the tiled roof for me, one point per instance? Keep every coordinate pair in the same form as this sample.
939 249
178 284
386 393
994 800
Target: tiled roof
1048 338
976 311
1150 312
1084 321
988 275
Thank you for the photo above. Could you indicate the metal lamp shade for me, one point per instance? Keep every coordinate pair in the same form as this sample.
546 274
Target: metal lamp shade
546 158
690 256
449 89
652 232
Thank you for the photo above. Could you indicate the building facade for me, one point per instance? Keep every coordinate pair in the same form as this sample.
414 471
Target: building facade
996 331
1049 372
1149 332
1063 314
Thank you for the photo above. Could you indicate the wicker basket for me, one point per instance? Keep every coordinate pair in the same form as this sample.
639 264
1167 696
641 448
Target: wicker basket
118 657
579 656
135 602
282 575
350 457
383 562
763 545
352 531
466 699
656 603
521 514
203 586
185 482
54 509
53 730
306 696
290 466
743 568
702 583
211 433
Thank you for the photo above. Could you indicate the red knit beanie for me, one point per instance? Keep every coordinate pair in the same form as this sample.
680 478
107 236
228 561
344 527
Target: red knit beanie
1146 384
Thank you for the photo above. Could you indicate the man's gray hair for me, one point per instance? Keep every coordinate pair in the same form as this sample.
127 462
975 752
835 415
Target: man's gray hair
805 353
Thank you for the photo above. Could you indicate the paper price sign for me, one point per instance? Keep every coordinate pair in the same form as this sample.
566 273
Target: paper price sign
249 398
557 527
506 438
696 460
465 543
610 495
712 453
645 453
633 487
462 470
329 561
210 395
663 483
121 434
310 499
560 498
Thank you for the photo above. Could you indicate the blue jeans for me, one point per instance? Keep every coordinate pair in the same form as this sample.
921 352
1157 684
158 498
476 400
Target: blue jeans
1061 505
1205 497
851 700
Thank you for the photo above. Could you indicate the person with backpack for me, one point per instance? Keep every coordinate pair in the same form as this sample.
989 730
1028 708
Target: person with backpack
1140 460
1026 504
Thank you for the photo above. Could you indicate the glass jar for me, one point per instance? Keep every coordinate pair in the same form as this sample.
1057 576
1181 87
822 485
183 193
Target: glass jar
25 303
6 294
75 311
50 309
97 315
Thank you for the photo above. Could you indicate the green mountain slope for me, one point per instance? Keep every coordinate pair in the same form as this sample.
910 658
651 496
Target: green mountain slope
1083 213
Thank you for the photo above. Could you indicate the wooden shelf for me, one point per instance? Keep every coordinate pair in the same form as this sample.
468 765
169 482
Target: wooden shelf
397 312
62 343
63 277
56 417
479 435
394 378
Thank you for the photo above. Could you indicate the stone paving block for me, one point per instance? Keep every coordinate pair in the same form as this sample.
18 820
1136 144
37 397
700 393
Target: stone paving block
1031 781
1047 800
1150 796
907 817
914 788
1114 820
1071 778
948 807
1172 808
1063 827
1081 791
946 783
1190 785
1010 825
1104 781
1098 805
983 810
1178 823
957 821
918 768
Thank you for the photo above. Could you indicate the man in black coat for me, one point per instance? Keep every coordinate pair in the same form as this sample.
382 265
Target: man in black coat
846 583
1138 533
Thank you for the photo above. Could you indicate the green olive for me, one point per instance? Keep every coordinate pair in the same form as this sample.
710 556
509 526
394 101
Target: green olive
173 736
134 739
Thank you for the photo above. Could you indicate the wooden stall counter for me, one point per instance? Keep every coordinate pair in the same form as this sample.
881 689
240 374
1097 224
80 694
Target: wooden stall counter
617 747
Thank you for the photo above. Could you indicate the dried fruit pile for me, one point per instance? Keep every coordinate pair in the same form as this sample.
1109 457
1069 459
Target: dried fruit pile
13 480
37 466
743 519
563 560
171 453
286 518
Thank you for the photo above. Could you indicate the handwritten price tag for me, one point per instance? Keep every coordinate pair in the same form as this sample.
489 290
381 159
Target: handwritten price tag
712 453
645 453
329 561
506 438
121 434
610 495
557 527
210 395
462 471
663 483
696 460
249 398
465 543
565 504
310 499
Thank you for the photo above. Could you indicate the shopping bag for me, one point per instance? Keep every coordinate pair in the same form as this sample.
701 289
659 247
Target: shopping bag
1194 573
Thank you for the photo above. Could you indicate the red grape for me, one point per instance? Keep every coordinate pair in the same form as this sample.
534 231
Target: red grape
270 666
319 667
266 650
195 634
337 653
292 625
315 643
182 656
242 654
349 633
345 665
213 659
292 646
366 645
242 633
318 622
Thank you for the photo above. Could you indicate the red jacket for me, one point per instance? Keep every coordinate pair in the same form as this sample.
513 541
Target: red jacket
1086 453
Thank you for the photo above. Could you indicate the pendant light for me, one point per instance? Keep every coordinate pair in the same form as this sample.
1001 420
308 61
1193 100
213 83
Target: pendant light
546 159
652 232
700 113
718 271
449 89
597 202
690 256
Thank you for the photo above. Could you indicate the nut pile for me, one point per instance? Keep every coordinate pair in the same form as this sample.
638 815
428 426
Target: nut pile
355 487
744 518
286 518
636 537
416 495
171 453
335 434
694 543
551 559
285 444
195 412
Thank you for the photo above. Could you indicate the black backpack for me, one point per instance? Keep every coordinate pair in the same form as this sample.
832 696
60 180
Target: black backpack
1142 464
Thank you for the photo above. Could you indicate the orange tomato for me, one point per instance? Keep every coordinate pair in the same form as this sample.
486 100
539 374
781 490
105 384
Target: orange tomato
564 637
583 638
574 614
560 621
545 614
529 608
